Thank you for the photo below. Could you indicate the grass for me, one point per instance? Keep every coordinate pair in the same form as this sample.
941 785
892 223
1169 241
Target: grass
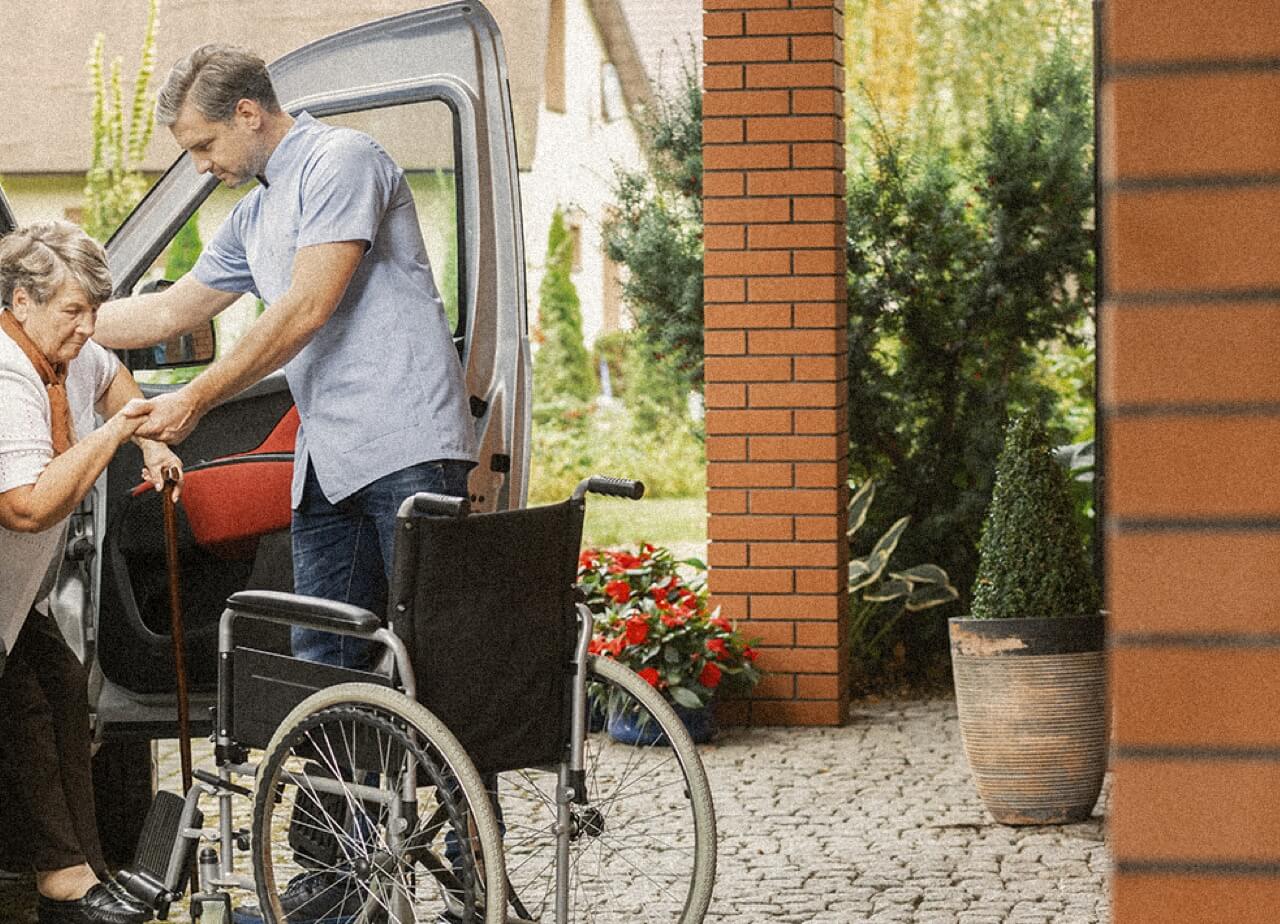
668 521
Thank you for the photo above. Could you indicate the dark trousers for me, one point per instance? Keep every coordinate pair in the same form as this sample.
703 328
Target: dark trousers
47 818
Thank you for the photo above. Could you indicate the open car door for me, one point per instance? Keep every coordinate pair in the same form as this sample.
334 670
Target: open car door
431 87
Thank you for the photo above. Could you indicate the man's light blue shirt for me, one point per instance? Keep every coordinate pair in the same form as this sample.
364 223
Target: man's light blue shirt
380 386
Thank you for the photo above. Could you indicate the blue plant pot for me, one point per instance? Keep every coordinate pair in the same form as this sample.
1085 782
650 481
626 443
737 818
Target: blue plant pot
625 727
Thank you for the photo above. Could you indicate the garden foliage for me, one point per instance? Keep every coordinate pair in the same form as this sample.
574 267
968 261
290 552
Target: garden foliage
115 184
959 281
877 602
561 367
650 618
656 232
1033 562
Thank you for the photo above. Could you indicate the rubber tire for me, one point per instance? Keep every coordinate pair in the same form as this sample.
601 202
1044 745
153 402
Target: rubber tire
124 783
695 775
433 730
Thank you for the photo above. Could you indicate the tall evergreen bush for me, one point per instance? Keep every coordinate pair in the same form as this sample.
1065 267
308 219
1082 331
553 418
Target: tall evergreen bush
656 232
960 279
1032 560
562 367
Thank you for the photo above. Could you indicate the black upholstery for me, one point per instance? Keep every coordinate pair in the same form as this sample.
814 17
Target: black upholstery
296 609
488 617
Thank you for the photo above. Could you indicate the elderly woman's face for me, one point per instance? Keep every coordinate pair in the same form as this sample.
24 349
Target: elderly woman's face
61 326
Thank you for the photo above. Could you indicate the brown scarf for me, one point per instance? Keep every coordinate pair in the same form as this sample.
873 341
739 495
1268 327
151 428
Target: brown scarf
54 378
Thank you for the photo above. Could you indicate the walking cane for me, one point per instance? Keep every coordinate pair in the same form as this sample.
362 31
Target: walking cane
179 648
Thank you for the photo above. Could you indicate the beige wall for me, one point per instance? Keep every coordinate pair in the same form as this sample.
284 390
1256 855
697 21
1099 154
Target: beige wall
44 83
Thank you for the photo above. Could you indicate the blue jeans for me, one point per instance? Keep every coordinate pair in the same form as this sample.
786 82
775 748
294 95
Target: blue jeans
343 551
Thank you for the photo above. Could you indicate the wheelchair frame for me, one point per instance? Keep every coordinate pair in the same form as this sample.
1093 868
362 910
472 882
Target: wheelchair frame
158 880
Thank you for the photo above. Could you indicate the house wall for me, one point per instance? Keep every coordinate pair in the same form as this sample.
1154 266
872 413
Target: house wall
574 168
776 352
1189 351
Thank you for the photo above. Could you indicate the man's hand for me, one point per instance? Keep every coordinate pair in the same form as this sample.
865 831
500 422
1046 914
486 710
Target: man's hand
173 417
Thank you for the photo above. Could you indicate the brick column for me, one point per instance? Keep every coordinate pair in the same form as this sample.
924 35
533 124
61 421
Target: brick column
1190 352
776 367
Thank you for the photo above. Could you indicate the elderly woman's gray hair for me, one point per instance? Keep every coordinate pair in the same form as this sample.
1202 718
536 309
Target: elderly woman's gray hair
40 257
215 77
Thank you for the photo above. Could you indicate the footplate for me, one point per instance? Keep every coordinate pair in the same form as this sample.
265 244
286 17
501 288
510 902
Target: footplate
162 864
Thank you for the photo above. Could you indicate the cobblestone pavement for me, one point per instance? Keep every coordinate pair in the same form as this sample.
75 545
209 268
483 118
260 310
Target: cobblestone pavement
874 822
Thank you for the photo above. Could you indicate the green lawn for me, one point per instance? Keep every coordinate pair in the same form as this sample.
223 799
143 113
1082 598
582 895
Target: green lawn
614 522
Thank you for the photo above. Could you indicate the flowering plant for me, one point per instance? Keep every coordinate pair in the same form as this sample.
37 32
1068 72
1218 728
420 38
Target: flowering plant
653 620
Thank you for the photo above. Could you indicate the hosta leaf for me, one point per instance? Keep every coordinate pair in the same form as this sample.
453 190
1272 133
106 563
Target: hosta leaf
922 598
859 504
889 541
886 591
923 574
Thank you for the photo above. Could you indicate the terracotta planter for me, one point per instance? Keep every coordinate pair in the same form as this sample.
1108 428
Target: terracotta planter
1031 695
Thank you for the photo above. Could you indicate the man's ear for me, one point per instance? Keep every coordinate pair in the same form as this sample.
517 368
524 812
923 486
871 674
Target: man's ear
249 114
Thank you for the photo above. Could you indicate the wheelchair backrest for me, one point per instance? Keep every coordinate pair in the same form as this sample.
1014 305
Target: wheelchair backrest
485 605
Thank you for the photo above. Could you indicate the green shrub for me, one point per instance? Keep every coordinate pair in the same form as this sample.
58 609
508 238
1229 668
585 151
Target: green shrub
114 183
961 278
184 249
657 232
1032 560
561 367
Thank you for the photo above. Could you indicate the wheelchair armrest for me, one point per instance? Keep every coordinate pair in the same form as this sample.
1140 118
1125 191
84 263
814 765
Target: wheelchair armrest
298 610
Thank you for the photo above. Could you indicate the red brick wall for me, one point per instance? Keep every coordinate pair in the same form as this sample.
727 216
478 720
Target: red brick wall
1190 353
776 391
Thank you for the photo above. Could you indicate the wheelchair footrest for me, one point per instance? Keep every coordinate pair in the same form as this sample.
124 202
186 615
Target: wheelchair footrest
160 843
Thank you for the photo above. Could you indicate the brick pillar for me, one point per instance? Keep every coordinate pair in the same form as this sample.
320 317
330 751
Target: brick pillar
1190 351
776 390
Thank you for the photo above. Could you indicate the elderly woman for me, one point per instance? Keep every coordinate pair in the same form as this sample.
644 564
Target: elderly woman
52 379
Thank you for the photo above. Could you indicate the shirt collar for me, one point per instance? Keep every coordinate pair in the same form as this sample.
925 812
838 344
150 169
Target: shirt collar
287 150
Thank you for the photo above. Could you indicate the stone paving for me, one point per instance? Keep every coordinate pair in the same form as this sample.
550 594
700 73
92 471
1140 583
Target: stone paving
874 822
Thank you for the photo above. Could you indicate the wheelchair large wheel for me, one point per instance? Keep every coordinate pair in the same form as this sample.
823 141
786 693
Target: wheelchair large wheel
367 809
642 848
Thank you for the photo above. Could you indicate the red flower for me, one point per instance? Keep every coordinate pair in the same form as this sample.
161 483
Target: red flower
588 559
626 561
646 550
637 630
650 676
749 653
672 622
721 623
613 647
717 647
709 678
618 591
596 645
659 593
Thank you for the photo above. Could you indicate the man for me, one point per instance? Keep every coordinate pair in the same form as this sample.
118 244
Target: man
330 241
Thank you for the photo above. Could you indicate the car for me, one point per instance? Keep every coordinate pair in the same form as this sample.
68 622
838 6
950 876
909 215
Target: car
431 87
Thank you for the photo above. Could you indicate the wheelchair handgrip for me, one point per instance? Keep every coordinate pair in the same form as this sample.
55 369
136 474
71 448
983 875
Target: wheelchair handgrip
615 487
440 505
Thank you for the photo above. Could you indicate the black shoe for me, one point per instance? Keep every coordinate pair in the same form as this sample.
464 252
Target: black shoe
116 887
313 898
98 906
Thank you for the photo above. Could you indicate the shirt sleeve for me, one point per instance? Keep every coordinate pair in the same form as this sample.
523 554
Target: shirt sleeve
105 366
224 264
346 191
25 444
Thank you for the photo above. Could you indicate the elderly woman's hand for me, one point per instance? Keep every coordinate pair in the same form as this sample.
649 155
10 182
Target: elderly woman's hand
160 462
129 418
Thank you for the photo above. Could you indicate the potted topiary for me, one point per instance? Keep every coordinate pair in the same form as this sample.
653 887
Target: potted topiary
1028 661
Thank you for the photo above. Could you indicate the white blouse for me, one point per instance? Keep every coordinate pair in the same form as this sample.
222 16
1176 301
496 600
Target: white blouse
25 449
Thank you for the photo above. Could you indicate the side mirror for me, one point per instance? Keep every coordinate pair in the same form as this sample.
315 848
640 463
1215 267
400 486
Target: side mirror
194 348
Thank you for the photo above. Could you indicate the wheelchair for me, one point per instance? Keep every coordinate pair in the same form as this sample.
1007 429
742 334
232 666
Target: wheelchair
462 778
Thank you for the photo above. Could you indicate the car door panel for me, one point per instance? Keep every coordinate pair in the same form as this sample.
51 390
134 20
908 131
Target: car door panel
233 521
234 516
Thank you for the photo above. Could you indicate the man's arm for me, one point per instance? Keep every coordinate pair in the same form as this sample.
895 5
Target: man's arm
321 274
144 320
158 460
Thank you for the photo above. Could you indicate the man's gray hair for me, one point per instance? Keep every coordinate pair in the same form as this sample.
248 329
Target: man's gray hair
39 257
215 78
